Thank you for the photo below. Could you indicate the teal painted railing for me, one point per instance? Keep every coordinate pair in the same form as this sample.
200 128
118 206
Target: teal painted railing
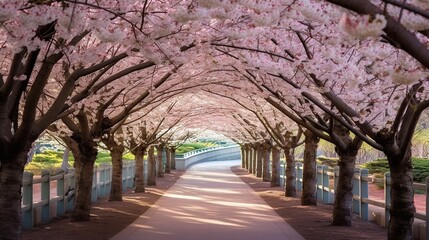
49 196
55 194
327 180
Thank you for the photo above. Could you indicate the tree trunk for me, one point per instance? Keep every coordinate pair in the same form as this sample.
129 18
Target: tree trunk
151 167
266 177
254 159
160 149
309 173
290 171
173 158
347 149
117 162
139 172
259 162
85 155
247 153
250 169
275 167
402 197
11 173
243 156
168 160
342 213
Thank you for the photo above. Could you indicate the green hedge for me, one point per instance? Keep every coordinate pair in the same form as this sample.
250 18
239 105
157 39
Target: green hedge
187 147
329 161
51 160
381 166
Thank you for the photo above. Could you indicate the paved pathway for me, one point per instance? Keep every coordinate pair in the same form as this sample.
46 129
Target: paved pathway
209 202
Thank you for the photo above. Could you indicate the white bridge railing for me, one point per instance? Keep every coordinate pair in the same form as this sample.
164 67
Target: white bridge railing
208 154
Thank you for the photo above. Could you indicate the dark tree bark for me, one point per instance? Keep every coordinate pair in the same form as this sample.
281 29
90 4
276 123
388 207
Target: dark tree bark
250 169
290 172
243 156
266 159
117 163
275 167
309 173
402 196
347 149
11 173
151 167
342 213
116 149
168 160
259 161
85 153
247 154
160 150
139 173
254 158
173 157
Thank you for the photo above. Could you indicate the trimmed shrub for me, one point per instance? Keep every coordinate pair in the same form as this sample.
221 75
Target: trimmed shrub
329 161
381 166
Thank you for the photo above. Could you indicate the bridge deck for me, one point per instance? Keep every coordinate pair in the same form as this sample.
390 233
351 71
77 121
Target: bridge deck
209 202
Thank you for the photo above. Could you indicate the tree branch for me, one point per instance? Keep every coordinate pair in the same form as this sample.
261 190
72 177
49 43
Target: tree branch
253 50
394 30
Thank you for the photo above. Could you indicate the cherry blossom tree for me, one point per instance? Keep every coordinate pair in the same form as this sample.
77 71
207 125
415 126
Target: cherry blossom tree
47 47
350 72
317 41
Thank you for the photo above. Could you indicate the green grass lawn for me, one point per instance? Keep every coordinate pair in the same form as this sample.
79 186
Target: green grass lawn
51 160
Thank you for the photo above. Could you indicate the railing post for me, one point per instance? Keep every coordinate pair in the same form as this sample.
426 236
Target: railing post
133 171
130 174
325 181
127 175
364 209
109 178
282 174
71 188
105 180
61 210
124 178
319 183
27 200
100 182
387 198
94 185
356 188
298 176
128 166
100 189
45 196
